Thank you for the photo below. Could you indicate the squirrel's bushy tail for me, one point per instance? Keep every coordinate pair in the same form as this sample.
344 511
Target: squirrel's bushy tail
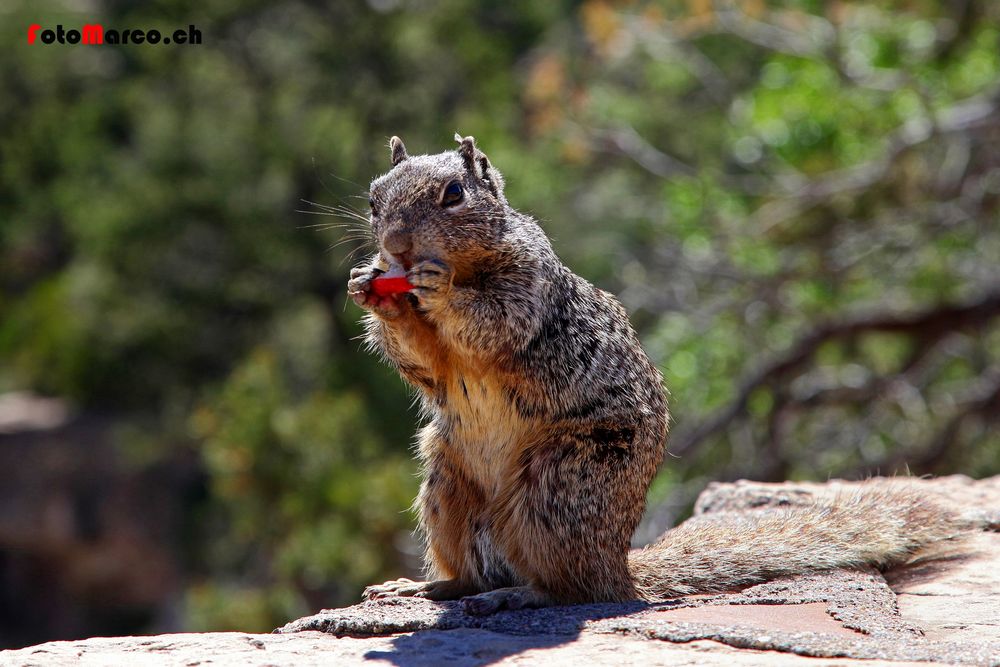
726 550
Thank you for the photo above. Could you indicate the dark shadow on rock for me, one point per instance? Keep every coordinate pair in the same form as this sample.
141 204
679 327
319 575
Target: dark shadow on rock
924 570
473 640
485 640
461 647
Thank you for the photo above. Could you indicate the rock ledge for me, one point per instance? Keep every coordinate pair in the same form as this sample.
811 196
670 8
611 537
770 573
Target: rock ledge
940 612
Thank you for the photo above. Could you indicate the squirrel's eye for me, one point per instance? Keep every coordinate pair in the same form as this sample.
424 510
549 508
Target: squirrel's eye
371 204
453 194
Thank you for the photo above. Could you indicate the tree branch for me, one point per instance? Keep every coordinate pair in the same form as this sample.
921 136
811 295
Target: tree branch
985 402
932 323
967 115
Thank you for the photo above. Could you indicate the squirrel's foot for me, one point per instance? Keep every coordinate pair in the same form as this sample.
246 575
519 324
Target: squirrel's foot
443 589
431 282
515 597
360 291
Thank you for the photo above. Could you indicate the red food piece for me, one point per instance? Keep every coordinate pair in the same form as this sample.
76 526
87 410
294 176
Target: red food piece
386 285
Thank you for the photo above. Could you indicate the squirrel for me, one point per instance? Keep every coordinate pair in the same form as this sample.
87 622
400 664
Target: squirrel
546 421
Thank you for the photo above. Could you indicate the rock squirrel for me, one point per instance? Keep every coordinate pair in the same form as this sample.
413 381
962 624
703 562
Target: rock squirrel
546 421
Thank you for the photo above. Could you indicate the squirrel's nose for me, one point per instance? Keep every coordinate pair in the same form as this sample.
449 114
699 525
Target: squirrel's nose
397 242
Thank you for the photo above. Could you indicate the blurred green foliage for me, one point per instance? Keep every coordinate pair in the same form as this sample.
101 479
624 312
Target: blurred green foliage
742 174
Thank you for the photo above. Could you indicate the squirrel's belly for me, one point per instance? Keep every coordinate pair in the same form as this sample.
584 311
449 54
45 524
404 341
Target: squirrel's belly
485 429
487 434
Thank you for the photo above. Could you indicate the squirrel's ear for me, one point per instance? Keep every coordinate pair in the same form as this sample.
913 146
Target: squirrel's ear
397 150
467 149
477 162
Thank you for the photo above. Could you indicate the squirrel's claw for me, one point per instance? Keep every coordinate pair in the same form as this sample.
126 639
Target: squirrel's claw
443 589
388 589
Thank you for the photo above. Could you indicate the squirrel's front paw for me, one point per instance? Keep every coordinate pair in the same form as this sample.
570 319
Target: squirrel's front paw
431 282
359 288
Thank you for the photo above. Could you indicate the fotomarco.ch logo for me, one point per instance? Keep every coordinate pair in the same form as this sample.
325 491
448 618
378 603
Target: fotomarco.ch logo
95 33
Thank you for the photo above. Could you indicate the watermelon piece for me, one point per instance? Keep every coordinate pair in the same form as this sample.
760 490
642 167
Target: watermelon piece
391 282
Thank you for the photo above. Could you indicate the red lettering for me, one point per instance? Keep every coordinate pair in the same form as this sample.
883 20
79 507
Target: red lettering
93 34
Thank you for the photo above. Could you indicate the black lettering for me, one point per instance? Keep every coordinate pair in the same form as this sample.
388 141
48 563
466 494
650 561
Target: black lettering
152 36
112 37
138 37
195 35
48 36
73 36
180 36
60 35
125 35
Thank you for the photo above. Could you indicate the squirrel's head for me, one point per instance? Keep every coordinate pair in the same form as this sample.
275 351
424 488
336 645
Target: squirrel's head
448 206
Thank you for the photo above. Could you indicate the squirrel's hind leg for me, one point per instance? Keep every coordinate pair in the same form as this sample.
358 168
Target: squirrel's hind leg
442 589
514 597
566 515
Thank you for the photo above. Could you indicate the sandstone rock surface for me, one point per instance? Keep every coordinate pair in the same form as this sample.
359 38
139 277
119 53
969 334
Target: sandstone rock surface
944 611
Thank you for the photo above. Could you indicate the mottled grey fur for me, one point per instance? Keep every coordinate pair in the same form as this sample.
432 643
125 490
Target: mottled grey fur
546 420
